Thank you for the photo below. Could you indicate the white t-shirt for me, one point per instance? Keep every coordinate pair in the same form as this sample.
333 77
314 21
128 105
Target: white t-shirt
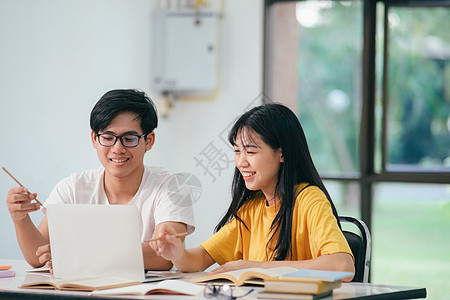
158 199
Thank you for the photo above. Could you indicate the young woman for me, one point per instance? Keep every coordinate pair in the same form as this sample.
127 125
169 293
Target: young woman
281 213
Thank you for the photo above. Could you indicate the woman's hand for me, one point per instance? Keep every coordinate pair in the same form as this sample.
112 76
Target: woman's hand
167 245
238 264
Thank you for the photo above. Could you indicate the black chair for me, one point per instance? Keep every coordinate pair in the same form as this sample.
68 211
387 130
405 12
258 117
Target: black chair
360 243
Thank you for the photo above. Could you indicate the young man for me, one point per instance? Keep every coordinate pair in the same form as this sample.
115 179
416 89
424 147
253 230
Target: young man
122 123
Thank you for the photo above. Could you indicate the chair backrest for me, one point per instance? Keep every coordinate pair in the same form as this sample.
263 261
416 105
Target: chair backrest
360 243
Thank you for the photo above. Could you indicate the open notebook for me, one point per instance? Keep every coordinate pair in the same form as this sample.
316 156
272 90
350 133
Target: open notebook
95 241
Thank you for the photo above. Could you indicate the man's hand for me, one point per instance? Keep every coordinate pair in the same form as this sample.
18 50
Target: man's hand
45 256
19 203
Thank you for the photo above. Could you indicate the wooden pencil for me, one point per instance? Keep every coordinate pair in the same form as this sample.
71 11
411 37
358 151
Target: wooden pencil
21 185
174 235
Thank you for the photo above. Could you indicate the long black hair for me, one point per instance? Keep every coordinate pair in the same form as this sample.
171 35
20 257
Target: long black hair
279 128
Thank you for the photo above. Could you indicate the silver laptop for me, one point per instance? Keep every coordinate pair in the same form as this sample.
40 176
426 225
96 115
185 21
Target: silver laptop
95 240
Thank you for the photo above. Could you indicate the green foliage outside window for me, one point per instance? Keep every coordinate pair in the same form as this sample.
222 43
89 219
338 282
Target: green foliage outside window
419 87
329 66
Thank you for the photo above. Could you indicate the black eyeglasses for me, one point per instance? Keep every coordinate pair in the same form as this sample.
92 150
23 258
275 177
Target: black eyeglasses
127 140
224 292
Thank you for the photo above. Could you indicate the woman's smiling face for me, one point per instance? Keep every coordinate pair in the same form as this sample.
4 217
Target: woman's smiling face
257 162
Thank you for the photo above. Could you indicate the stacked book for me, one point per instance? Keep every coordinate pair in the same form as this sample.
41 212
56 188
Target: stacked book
5 271
303 284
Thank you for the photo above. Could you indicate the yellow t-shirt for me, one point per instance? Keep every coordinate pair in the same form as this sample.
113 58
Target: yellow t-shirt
314 230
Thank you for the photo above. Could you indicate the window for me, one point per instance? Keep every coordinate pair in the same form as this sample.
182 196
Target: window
417 91
410 230
345 195
369 81
322 83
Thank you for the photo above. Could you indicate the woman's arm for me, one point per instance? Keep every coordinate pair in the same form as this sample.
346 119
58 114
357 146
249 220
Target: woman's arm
151 260
186 260
330 262
193 260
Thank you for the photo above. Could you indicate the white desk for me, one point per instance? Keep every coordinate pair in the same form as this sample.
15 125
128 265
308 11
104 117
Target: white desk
9 290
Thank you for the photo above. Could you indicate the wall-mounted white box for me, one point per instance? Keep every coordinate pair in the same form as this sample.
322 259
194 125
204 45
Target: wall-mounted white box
185 51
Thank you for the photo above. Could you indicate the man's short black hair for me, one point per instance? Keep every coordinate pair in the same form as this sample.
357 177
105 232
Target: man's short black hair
118 101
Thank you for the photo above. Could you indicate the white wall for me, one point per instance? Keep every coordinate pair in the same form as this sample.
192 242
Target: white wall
56 60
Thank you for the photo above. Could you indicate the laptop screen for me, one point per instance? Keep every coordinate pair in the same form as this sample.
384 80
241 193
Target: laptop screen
95 241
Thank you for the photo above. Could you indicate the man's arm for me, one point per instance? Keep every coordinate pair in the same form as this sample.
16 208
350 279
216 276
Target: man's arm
29 237
151 260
